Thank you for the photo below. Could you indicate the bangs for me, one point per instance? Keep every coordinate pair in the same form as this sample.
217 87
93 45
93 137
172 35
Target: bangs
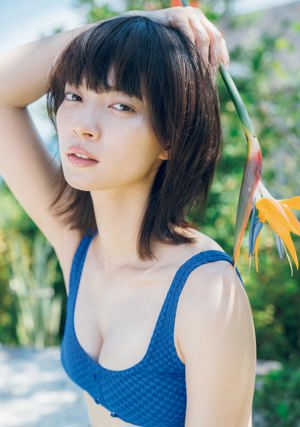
108 50
146 60
125 48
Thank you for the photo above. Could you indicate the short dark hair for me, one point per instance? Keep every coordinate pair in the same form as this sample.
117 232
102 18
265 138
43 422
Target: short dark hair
157 63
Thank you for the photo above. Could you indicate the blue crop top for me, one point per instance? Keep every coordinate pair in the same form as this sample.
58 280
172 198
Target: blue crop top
151 393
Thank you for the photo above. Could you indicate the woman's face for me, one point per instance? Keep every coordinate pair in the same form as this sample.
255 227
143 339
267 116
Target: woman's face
115 129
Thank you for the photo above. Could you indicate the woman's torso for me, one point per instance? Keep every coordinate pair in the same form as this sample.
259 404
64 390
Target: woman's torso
107 309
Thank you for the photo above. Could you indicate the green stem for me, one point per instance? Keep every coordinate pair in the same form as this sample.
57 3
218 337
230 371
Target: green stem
236 99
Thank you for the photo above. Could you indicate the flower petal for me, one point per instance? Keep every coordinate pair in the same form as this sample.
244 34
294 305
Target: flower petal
292 218
250 240
289 259
256 249
271 208
292 202
284 234
280 246
255 232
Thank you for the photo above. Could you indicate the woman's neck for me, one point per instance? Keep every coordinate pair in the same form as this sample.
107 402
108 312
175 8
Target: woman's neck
119 215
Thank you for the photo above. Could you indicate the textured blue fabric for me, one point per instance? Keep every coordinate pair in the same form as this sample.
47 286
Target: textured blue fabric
151 393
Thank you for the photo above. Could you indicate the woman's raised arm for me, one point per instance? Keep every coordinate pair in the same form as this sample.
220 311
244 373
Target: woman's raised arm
25 164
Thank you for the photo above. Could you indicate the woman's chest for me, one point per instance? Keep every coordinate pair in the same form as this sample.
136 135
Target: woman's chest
115 317
115 328
115 321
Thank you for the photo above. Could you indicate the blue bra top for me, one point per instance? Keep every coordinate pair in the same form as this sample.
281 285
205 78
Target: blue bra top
151 393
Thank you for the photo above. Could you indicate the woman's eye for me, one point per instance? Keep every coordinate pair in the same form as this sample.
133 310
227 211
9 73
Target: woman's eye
123 107
70 96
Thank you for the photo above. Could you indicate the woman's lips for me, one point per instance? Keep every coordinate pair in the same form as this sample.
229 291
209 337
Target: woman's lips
80 162
91 160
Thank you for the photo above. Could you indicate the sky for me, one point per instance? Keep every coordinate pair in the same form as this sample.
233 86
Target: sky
24 20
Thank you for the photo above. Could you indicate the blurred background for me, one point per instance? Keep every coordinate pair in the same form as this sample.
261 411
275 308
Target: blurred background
264 43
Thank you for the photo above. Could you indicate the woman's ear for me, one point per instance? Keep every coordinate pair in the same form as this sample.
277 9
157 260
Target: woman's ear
164 155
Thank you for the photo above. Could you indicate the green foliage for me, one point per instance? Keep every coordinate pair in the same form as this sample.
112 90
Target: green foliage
12 216
7 307
27 264
95 12
272 97
32 279
277 399
274 109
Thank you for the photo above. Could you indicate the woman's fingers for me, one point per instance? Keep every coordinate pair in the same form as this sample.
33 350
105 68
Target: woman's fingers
208 39
201 39
194 24
217 41
181 21
225 53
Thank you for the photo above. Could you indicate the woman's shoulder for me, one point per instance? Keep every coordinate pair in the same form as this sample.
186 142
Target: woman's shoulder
203 242
214 280
177 255
212 291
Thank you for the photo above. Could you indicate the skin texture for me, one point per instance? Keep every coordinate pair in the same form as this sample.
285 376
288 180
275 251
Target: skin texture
116 129
210 295
213 335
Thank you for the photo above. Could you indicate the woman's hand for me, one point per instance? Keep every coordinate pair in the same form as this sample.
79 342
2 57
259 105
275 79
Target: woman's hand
192 22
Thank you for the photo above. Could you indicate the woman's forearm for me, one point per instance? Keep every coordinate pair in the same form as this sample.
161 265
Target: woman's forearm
24 70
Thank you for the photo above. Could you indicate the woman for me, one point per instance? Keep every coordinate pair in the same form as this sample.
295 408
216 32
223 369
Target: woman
159 329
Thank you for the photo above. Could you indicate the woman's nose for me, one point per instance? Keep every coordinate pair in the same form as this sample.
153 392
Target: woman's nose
86 132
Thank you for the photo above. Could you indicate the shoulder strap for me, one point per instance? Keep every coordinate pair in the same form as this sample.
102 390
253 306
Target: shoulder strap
162 346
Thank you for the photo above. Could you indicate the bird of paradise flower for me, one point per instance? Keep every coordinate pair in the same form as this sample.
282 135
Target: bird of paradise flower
255 197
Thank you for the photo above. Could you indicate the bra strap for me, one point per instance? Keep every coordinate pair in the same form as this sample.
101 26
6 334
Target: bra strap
163 343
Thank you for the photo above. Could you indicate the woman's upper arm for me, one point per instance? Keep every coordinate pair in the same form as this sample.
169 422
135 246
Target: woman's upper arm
29 171
217 340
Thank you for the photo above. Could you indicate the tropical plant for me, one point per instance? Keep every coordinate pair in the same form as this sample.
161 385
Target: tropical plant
32 279
277 399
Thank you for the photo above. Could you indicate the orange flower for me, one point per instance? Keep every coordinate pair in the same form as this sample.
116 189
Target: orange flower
253 193
280 217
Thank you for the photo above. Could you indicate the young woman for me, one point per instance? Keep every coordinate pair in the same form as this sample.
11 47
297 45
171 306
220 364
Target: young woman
159 330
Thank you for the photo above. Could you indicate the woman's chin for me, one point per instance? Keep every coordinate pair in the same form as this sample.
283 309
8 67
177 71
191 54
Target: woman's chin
78 184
